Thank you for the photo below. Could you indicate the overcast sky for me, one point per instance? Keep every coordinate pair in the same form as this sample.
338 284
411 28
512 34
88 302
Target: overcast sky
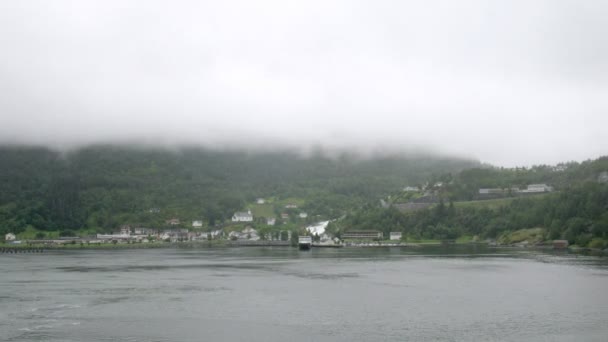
507 82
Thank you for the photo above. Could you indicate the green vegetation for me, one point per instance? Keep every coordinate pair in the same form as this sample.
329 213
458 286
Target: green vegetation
424 241
46 194
465 185
598 243
531 235
577 213
262 210
489 204
100 188
466 239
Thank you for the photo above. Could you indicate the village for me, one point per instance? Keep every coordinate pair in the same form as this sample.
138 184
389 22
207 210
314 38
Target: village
239 231
245 228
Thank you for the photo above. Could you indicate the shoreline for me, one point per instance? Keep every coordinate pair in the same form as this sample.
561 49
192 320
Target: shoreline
37 248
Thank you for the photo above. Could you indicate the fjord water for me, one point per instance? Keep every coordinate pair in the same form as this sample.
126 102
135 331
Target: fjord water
279 294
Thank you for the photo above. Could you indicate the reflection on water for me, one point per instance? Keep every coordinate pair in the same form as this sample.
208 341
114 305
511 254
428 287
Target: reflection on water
453 293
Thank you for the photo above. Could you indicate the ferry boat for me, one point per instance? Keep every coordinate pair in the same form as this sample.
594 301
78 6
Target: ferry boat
305 242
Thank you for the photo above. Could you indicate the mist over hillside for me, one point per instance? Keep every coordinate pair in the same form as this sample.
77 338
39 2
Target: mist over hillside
456 77
102 187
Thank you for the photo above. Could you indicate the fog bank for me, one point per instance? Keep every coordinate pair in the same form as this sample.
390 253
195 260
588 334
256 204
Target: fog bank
509 83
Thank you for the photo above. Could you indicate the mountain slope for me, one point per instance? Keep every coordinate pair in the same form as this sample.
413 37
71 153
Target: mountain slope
102 187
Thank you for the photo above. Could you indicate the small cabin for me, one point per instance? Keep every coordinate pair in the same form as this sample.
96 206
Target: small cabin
396 235
10 237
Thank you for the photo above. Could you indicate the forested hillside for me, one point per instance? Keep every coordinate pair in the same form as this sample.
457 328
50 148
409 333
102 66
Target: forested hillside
102 187
561 176
577 211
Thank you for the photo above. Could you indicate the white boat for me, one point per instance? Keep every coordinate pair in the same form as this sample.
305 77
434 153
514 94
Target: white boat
305 242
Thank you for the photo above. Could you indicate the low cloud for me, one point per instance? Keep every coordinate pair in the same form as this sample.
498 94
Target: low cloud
510 83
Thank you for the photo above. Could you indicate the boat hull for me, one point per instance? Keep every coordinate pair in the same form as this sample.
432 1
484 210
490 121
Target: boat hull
304 246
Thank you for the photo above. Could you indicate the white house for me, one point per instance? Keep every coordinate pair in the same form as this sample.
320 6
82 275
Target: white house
395 235
291 206
212 235
410 189
125 229
173 221
260 201
216 233
303 215
249 234
197 223
10 237
242 217
538 188
271 221
490 191
144 231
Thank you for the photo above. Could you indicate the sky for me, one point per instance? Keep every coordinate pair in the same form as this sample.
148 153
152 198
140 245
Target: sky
506 82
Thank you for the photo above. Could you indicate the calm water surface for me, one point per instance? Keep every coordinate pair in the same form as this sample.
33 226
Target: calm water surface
279 294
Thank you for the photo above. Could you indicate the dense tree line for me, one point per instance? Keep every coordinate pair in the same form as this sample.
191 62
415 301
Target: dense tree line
578 214
102 187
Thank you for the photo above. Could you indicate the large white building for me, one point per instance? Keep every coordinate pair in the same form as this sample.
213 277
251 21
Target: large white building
9 237
242 217
396 235
120 236
498 191
197 223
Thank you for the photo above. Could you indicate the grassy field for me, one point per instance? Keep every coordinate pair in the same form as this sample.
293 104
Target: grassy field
466 239
262 210
267 209
493 203
292 200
